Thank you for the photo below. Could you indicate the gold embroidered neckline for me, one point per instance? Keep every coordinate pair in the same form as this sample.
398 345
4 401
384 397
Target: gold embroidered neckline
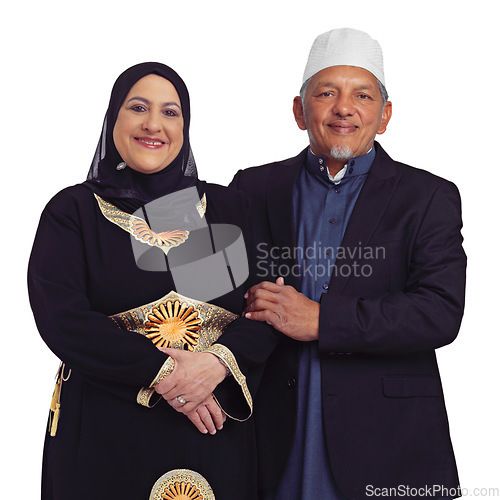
140 229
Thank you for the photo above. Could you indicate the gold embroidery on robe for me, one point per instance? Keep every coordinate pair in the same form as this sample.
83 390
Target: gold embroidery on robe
140 229
182 323
177 321
182 484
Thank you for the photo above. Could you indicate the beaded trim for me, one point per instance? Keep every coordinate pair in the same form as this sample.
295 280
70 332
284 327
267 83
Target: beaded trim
145 393
227 358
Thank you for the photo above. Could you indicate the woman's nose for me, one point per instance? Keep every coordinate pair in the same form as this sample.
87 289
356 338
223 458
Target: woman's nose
152 122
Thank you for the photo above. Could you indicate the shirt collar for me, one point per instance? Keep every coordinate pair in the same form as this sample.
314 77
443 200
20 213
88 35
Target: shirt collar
355 166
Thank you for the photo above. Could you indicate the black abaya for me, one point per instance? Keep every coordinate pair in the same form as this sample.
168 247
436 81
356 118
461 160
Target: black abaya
82 270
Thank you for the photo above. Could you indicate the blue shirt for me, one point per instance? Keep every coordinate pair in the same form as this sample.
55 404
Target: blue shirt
322 208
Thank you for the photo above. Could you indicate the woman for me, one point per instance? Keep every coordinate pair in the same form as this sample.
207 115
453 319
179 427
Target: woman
83 269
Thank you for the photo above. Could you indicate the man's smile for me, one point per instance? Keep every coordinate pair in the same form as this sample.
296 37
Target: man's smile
343 127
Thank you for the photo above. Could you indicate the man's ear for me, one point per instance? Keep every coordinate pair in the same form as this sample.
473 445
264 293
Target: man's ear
298 112
386 116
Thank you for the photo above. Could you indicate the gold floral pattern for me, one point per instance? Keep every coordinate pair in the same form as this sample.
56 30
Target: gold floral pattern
140 229
173 325
201 206
180 322
182 491
142 232
182 484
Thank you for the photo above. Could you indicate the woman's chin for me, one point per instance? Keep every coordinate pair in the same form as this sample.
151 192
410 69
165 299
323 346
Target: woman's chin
148 169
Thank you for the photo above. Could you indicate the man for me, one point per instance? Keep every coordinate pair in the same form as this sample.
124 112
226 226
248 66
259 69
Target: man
364 273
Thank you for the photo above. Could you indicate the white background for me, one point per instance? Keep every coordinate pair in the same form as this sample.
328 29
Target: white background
243 65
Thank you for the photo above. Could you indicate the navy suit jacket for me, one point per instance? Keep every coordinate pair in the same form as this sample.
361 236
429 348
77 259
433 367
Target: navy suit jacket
395 295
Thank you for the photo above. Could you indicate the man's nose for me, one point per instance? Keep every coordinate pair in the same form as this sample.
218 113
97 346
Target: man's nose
344 105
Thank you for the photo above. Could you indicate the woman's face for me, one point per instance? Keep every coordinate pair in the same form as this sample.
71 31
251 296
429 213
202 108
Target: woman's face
148 132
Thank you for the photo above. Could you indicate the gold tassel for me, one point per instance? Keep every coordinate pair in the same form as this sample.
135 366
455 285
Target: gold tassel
55 403
55 420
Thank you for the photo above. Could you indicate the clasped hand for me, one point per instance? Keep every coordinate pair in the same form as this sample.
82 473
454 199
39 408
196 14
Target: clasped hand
284 308
193 380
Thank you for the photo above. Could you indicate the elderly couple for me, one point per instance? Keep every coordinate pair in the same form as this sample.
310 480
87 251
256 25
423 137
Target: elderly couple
137 284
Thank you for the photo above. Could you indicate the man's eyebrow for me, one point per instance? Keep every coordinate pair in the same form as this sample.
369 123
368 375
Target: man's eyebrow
325 84
362 86
148 102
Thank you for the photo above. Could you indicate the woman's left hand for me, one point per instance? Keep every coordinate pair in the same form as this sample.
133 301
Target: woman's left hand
193 379
208 417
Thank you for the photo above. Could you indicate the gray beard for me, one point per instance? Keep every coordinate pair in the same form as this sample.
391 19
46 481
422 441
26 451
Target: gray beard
341 152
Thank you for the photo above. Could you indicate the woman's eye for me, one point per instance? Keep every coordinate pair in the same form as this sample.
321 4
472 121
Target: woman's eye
138 108
170 112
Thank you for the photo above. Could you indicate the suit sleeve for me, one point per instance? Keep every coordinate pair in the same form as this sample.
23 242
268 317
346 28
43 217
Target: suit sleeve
87 341
426 312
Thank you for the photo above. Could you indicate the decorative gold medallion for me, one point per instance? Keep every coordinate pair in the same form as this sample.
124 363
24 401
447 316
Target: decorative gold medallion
167 326
177 321
182 484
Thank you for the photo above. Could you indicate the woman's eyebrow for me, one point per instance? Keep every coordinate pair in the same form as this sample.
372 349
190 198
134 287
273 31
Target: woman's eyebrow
142 99
172 103
148 102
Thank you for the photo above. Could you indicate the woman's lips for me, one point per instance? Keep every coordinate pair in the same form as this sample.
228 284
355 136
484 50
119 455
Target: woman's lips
149 142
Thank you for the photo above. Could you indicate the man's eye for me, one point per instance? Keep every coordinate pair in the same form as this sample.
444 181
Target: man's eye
364 96
326 94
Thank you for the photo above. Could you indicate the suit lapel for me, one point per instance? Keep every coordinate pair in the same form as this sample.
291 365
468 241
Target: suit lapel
368 211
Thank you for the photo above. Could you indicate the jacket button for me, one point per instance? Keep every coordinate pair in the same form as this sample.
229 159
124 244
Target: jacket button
291 383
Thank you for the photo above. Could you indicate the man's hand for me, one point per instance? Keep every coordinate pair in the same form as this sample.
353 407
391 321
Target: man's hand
193 379
287 310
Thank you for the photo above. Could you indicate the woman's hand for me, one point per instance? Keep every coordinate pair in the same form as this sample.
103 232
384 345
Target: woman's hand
208 417
192 381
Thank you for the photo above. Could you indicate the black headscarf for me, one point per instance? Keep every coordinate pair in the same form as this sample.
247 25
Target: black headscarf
129 189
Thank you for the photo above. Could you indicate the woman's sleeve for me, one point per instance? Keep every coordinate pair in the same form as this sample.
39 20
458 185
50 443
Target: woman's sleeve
88 342
245 345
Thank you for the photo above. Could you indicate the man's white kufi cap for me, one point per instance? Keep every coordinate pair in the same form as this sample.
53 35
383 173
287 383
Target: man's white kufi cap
345 47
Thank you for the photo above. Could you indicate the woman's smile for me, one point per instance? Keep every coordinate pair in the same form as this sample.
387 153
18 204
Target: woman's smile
150 142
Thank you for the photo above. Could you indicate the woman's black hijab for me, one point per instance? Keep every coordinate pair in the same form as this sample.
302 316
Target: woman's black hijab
127 188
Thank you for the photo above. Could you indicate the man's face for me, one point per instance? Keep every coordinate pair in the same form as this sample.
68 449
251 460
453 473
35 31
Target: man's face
342 112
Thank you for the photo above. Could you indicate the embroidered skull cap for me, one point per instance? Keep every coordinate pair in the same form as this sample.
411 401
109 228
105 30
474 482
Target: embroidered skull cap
345 47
